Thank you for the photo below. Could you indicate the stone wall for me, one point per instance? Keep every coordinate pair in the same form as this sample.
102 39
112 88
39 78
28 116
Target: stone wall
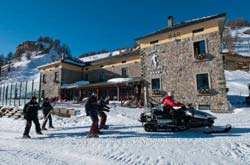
174 63
50 87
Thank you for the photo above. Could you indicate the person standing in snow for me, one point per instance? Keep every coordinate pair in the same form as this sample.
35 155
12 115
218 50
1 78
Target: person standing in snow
169 106
103 107
91 108
31 115
47 108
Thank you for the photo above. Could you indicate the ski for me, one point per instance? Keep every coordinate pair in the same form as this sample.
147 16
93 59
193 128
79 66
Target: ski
225 130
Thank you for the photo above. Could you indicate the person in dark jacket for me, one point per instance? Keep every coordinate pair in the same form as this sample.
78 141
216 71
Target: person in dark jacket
91 108
103 107
31 115
47 108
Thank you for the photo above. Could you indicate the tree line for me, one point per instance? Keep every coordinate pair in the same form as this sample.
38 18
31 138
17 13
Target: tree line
237 23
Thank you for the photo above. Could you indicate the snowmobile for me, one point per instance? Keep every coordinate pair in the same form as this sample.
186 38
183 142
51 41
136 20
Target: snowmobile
156 120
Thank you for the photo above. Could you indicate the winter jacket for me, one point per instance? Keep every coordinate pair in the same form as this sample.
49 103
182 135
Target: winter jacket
91 107
168 101
30 110
103 106
46 107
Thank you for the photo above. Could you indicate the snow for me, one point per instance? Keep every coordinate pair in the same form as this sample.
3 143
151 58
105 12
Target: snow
237 82
102 55
120 80
27 69
74 85
125 142
242 46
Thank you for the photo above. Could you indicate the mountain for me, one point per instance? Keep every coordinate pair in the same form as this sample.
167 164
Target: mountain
28 56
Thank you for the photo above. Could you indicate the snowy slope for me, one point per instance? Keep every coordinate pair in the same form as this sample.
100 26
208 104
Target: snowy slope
126 142
27 69
237 82
242 41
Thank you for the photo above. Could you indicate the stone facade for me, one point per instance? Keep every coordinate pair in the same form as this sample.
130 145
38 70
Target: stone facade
49 87
96 72
176 67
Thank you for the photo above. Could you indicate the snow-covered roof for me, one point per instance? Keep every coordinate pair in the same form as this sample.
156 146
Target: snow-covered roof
74 85
122 80
74 61
114 81
102 55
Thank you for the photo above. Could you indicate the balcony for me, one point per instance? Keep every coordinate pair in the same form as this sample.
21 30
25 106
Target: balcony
156 92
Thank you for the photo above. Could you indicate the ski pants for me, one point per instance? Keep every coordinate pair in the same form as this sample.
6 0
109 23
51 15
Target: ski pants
103 119
46 119
29 123
94 126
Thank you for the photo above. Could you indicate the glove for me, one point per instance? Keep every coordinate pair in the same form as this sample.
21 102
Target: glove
25 116
107 110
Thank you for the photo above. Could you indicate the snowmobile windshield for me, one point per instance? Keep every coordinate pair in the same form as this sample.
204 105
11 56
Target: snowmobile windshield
202 115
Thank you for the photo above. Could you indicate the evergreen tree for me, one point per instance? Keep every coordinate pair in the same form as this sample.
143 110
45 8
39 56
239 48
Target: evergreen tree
10 56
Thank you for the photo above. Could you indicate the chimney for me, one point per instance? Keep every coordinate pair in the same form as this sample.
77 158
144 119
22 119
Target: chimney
170 21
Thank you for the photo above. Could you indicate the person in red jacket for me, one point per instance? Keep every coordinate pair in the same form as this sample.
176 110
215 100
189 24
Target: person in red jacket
169 106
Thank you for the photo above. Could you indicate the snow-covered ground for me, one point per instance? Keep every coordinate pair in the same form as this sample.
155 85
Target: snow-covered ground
125 142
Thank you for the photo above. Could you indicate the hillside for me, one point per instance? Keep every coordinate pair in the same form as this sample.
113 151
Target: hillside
26 69
238 40
28 56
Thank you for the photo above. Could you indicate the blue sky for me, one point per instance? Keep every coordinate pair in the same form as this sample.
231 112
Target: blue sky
91 25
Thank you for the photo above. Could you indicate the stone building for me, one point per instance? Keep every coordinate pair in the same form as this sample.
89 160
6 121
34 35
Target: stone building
79 79
186 58
55 74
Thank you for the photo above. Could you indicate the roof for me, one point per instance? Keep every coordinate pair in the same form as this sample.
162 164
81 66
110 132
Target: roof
73 61
108 84
183 24
126 54
68 60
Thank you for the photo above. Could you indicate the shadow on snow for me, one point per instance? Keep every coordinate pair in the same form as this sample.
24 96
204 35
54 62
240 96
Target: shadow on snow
120 132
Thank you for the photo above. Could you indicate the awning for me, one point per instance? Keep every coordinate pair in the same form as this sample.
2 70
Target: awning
117 82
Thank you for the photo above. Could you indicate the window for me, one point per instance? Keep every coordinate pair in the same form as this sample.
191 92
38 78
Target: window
202 83
198 30
43 93
204 107
56 77
199 49
154 42
124 72
101 76
44 78
156 84
86 77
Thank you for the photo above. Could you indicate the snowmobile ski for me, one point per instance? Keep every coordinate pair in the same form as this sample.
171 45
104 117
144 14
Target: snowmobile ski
225 130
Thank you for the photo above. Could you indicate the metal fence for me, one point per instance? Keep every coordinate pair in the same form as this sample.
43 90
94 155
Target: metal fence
20 93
